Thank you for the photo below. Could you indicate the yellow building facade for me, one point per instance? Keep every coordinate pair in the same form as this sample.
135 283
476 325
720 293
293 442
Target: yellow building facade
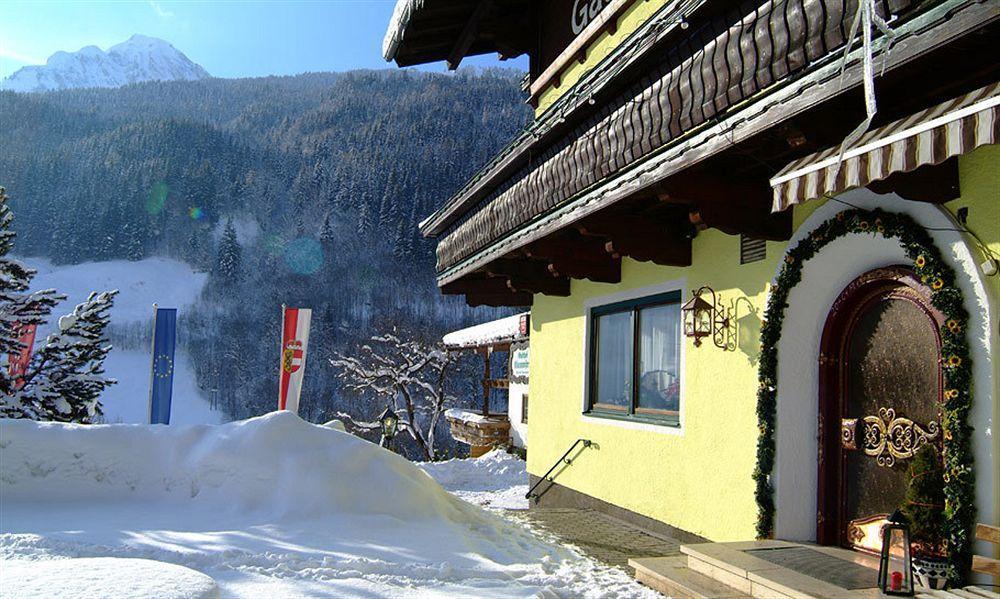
698 477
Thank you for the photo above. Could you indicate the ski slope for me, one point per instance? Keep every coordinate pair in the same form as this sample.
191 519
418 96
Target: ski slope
168 283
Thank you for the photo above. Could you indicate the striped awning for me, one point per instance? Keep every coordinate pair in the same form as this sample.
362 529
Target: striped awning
931 136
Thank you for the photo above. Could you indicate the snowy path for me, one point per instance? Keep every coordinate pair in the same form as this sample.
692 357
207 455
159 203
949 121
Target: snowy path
496 480
270 507
166 282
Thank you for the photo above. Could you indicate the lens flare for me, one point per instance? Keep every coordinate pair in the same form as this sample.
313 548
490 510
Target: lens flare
274 245
304 256
196 213
157 198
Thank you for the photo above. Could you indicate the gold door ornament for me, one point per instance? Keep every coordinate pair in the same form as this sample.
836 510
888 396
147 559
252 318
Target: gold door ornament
887 438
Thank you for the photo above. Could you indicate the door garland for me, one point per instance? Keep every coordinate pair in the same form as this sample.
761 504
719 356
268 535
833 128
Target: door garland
933 271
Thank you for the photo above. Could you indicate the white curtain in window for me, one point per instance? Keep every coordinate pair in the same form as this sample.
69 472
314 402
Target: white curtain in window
659 357
614 359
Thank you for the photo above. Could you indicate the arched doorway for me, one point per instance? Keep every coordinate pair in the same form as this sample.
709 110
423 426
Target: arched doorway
880 393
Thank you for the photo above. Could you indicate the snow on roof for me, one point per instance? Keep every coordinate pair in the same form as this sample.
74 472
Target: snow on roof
473 417
487 333
401 16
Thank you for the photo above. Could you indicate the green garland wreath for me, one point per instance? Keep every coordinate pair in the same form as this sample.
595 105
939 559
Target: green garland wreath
959 477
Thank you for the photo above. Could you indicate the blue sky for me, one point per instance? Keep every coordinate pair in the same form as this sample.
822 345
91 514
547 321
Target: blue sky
229 38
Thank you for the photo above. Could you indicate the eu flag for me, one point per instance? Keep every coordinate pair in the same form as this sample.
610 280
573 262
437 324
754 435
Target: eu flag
162 376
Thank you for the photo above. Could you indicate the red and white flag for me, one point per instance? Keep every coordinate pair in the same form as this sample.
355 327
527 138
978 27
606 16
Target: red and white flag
17 363
294 344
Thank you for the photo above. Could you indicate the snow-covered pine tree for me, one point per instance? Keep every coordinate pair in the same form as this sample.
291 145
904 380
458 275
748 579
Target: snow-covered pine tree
17 307
326 232
229 264
67 375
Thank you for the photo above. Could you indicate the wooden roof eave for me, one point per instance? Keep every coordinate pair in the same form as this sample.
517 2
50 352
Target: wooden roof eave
557 118
936 27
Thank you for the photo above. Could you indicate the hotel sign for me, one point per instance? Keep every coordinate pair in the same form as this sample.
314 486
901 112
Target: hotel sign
585 11
561 22
519 359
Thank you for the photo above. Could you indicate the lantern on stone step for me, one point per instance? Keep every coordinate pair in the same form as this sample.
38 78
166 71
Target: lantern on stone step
390 423
895 569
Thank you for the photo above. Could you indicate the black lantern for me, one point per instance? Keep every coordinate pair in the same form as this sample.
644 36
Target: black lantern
895 568
390 423
703 318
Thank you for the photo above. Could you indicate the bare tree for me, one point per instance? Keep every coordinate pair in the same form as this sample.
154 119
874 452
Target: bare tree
409 374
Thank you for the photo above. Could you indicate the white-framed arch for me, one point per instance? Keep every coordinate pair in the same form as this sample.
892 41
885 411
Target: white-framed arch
824 276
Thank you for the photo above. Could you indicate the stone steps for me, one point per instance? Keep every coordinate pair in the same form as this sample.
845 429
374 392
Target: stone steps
672 577
726 570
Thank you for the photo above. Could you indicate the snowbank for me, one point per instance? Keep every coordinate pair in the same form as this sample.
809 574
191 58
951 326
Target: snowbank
271 506
103 577
275 466
497 480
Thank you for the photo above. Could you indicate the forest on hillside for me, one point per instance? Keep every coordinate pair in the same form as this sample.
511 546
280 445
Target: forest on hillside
302 190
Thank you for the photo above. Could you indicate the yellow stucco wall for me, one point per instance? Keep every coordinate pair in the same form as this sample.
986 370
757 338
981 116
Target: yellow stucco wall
697 478
633 17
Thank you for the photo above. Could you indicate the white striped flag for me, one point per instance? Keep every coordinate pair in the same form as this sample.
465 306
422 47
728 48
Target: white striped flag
294 344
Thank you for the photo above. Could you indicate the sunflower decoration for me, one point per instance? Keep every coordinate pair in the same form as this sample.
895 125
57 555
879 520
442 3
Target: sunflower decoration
953 326
937 284
863 225
953 361
920 262
951 394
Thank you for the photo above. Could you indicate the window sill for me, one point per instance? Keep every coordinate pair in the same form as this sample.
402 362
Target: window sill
642 423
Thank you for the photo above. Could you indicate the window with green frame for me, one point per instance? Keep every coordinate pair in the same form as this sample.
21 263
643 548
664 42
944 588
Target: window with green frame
634 356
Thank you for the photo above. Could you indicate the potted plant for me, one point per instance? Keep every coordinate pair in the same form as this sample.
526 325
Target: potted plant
924 508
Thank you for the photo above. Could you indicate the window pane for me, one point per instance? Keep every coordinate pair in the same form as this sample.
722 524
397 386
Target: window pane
614 360
659 358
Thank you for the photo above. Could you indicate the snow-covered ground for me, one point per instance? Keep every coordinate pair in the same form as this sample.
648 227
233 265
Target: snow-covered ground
163 281
268 507
497 480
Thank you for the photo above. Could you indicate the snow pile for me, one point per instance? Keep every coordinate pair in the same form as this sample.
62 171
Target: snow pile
103 577
497 480
472 417
271 506
276 466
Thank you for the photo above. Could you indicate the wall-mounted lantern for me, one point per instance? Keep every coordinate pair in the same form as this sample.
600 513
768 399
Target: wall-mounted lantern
390 423
895 570
703 318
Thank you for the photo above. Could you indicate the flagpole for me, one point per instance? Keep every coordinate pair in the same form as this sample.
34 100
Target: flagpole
152 369
281 350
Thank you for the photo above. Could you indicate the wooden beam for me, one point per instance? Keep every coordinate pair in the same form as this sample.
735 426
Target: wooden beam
642 238
469 33
988 533
476 285
529 275
731 207
578 257
498 299
986 565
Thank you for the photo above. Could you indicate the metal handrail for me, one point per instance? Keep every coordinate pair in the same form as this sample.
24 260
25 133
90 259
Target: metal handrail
564 459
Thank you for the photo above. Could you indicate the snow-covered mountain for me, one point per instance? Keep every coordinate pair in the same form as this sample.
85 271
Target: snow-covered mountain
140 58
